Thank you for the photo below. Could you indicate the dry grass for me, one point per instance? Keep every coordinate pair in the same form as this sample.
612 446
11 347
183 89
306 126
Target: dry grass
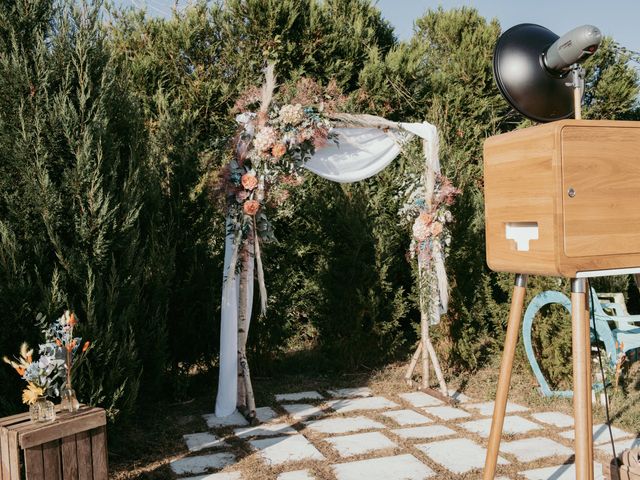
157 440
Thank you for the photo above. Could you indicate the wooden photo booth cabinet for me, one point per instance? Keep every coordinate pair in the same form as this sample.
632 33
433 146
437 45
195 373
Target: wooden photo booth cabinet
561 199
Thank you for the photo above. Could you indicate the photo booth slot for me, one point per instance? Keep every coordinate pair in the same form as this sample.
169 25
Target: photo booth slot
561 199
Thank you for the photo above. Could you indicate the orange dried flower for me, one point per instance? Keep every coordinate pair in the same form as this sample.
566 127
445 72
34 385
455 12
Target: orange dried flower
436 228
20 370
251 207
72 320
58 342
249 181
86 346
71 346
278 150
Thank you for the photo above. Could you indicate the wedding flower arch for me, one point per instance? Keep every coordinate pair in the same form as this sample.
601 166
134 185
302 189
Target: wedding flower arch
274 147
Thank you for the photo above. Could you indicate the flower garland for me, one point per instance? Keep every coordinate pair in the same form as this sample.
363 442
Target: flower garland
270 152
431 237
430 228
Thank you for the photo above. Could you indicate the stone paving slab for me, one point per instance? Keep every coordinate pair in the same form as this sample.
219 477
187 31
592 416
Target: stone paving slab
297 396
530 449
512 426
447 413
458 396
560 472
199 441
296 475
407 417
217 476
292 448
343 425
234 420
621 445
400 467
557 419
265 430
266 414
349 445
429 431
600 434
351 392
202 463
355 404
303 410
420 399
458 455
486 408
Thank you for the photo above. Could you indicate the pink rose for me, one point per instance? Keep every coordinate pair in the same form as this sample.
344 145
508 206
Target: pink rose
251 207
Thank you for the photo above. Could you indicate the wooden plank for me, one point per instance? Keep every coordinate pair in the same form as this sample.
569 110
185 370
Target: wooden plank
69 458
34 463
83 449
51 457
17 418
99 453
58 429
5 467
14 456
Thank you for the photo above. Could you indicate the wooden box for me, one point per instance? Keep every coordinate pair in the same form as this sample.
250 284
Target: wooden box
563 199
73 447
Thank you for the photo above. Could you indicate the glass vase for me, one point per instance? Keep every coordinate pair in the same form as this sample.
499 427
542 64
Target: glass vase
69 400
42 410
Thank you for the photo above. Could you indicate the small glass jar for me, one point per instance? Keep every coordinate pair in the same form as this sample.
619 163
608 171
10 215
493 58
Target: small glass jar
42 410
69 400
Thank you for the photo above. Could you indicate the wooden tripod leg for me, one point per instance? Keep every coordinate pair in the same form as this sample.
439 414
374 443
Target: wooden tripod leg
510 343
589 376
581 398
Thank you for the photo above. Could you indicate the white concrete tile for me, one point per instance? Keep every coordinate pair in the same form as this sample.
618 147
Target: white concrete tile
621 445
486 408
512 425
303 410
420 399
199 441
447 413
561 472
265 430
343 425
350 392
459 455
429 431
400 467
234 420
458 396
297 396
292 448
354 404
407 417
557 419
535 448
217 476
266 414
600 434
349 445
202 463
297 475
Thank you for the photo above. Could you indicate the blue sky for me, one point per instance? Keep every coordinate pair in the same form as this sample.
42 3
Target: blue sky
617 18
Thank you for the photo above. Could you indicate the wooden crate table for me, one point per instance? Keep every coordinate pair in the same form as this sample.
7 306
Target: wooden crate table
73 447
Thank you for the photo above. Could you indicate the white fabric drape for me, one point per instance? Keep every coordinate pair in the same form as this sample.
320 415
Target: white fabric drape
360 153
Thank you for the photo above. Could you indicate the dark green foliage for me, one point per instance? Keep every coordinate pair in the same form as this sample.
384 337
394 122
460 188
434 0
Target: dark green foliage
111 132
